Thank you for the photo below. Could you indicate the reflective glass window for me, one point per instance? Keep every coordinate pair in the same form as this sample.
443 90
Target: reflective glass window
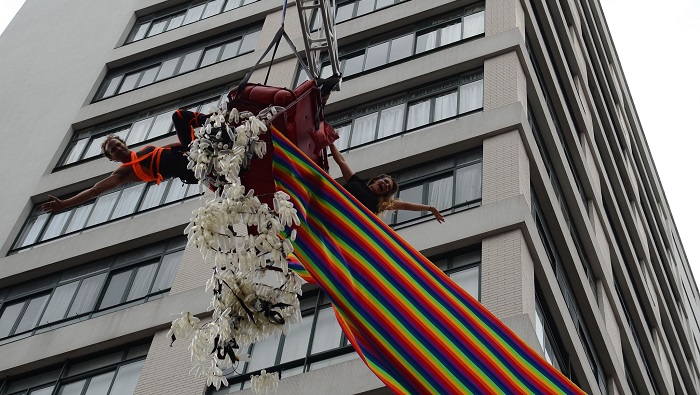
129 82
59 302
211 55
401 47
230 49
128 200
377 55
148 76
176 21
213 8
115 289
167 69
117 378
158 27
190 61
103 208
194 13
249 42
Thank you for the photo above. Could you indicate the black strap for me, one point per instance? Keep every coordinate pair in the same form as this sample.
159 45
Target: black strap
246 78
274 43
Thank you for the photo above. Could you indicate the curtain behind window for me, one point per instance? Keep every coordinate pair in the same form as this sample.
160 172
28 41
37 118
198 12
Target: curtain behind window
391 121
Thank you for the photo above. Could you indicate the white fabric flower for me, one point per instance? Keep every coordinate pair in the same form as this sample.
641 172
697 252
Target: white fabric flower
244 308
265 382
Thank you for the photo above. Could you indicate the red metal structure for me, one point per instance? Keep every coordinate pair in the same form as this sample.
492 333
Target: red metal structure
302 123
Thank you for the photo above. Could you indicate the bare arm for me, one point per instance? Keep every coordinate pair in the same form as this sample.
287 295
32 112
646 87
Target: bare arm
340 160
401 205
118 177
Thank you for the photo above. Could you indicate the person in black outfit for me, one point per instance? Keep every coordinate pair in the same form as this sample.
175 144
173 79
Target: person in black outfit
377 194
148 164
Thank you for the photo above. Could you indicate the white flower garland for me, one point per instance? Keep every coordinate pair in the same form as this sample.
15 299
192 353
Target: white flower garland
245 310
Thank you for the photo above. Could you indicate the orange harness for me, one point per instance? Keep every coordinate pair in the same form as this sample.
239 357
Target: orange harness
152 173
193 122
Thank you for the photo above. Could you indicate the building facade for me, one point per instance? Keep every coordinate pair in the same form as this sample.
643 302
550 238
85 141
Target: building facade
512 117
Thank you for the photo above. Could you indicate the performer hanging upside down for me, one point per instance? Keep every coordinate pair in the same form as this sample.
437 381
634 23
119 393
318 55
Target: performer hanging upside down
377 194
148 164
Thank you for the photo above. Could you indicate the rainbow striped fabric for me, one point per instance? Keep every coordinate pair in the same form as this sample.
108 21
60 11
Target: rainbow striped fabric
417 330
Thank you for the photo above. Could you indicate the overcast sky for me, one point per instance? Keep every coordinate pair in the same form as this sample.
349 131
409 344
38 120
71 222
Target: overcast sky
659 48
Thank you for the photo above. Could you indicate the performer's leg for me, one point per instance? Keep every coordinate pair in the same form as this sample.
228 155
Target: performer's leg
185 122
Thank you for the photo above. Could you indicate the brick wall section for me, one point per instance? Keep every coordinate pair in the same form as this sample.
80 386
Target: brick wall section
507 276
504 81
506 169
166 370
609 319
502 15
282 73
193 272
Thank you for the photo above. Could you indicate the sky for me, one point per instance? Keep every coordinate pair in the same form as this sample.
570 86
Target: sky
659 50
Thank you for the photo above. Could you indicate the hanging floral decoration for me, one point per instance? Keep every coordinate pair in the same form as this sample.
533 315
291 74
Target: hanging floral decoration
254 294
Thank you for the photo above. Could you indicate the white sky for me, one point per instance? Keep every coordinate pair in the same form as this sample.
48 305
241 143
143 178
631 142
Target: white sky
659 48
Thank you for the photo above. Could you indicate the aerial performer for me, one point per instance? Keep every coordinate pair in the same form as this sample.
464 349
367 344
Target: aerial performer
377 194
170 161
148 164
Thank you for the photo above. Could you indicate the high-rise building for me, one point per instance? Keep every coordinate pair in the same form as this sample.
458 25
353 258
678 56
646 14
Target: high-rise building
512 117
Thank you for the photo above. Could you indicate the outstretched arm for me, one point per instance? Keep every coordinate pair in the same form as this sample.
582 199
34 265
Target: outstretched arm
401 205
340 160
118 177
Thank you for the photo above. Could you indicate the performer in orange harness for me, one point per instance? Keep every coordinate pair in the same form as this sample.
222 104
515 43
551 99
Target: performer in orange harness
148 164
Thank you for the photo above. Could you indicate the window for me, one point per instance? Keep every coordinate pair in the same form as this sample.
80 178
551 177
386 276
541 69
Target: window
562 201
318 341
149 71
314 343
76 294
148 125
548 339
464 268
115 372
567 293
408 111
449 184
124 201
174 17
404 43
635 335
346 10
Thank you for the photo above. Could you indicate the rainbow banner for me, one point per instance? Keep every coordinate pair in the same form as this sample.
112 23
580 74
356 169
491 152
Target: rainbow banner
417 330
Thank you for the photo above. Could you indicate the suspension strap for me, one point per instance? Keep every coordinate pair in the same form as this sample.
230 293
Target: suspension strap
274 43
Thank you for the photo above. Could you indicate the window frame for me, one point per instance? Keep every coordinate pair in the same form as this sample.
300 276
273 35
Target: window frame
171 13
20 243
321 303
469 157
119 74
57 376
311 311
157 253
198 102
361 48
431 91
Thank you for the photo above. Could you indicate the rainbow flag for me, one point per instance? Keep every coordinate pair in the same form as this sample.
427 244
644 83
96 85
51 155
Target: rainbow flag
417 330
